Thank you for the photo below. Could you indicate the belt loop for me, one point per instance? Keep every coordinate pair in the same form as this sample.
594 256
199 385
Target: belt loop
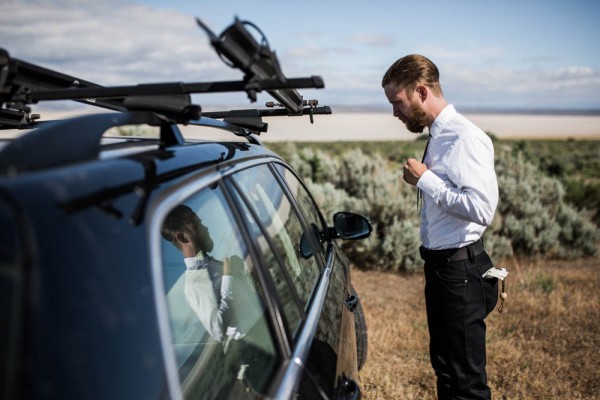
470 253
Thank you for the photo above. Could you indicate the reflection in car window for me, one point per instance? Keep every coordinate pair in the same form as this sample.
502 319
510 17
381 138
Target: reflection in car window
291 307
283 227
221 338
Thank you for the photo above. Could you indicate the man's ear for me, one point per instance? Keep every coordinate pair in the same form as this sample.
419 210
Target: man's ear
422 92
181 237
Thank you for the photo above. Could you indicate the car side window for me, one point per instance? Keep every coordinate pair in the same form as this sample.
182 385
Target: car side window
219 328
306 204
282 226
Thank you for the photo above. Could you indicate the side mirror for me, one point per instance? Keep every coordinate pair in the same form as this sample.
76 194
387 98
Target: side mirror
305 247
351 226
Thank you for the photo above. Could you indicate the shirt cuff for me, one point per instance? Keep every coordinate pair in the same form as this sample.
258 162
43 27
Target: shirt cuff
226 283
429 182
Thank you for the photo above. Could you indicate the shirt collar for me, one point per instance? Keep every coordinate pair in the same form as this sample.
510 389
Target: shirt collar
197 262
443 117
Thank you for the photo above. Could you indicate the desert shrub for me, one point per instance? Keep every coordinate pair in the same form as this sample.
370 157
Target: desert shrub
584 195
367 185
578 235
532 218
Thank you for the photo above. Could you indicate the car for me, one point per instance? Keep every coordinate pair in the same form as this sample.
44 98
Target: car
141 260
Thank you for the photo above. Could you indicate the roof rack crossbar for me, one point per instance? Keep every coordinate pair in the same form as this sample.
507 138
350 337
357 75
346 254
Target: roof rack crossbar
268 112
154 89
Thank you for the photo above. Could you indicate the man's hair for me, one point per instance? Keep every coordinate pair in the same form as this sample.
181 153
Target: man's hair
176 221
412 70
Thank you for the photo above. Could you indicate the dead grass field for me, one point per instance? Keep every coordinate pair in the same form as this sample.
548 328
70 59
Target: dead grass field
545 345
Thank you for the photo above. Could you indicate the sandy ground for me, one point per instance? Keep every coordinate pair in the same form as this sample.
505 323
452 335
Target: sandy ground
383 126
380 126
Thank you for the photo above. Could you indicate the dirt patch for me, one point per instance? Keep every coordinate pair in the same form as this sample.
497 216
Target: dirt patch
545 345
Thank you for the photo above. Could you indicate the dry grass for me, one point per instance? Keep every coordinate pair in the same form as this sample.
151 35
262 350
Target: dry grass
545 345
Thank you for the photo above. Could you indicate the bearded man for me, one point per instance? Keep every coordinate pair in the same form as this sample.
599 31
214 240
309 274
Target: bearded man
457 183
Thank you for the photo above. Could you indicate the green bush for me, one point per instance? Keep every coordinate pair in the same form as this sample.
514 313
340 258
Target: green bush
534 215
532 219
366 185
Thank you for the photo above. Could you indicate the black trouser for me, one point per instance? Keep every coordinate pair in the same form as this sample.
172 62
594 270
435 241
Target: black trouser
458 299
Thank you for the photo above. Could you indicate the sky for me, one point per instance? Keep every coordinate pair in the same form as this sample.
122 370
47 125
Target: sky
491 54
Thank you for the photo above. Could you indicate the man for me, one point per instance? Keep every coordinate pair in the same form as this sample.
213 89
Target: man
457 183
219 293
207 287
223 299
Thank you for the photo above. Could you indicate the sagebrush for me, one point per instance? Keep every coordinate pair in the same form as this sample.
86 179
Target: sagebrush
533 217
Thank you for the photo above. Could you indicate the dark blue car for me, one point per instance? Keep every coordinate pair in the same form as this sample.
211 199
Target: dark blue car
137 263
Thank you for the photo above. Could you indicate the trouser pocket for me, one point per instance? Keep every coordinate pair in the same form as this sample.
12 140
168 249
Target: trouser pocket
489 287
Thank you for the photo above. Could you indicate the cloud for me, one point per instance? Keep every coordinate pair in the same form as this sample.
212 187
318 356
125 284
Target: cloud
111 42
373 40
575 85
469 51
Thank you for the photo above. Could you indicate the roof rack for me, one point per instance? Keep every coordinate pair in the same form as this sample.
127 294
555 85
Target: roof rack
23 84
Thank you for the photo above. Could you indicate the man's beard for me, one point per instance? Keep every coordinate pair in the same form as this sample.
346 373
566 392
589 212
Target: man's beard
417 122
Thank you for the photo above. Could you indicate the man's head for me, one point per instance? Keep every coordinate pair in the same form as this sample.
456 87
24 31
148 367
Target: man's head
184 229
411 70
412 86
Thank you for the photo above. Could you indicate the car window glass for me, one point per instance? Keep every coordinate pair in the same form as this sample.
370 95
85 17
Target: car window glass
289 302
276 214
305 203
221 338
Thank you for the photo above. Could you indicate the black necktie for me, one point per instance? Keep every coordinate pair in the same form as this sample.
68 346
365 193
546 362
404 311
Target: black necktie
419 194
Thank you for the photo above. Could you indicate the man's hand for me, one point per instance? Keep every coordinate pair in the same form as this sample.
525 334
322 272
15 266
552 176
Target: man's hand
413 170
226 267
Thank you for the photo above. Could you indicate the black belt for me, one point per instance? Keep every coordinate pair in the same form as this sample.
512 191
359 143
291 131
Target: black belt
452 255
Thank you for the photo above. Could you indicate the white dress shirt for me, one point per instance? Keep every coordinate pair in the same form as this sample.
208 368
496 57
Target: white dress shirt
202 283
227 307
460 189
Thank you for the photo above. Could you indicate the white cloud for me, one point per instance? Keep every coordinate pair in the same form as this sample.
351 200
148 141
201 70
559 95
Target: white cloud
470 51
576 85
111 42
373 40
576 72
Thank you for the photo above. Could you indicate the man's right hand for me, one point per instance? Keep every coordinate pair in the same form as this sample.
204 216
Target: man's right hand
226 267
413 170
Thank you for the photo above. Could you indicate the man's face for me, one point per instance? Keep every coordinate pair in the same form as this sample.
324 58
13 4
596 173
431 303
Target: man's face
406 108
199 236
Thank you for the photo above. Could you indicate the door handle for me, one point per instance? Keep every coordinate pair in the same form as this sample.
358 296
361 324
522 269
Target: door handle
349 389
351 302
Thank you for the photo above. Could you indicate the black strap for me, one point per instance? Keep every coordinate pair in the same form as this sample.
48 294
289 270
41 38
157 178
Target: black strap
419 194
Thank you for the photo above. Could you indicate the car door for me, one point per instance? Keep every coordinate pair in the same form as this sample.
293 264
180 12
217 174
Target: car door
336 324
292 237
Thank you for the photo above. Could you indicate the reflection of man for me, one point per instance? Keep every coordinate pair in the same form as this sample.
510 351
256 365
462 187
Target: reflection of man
208 283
